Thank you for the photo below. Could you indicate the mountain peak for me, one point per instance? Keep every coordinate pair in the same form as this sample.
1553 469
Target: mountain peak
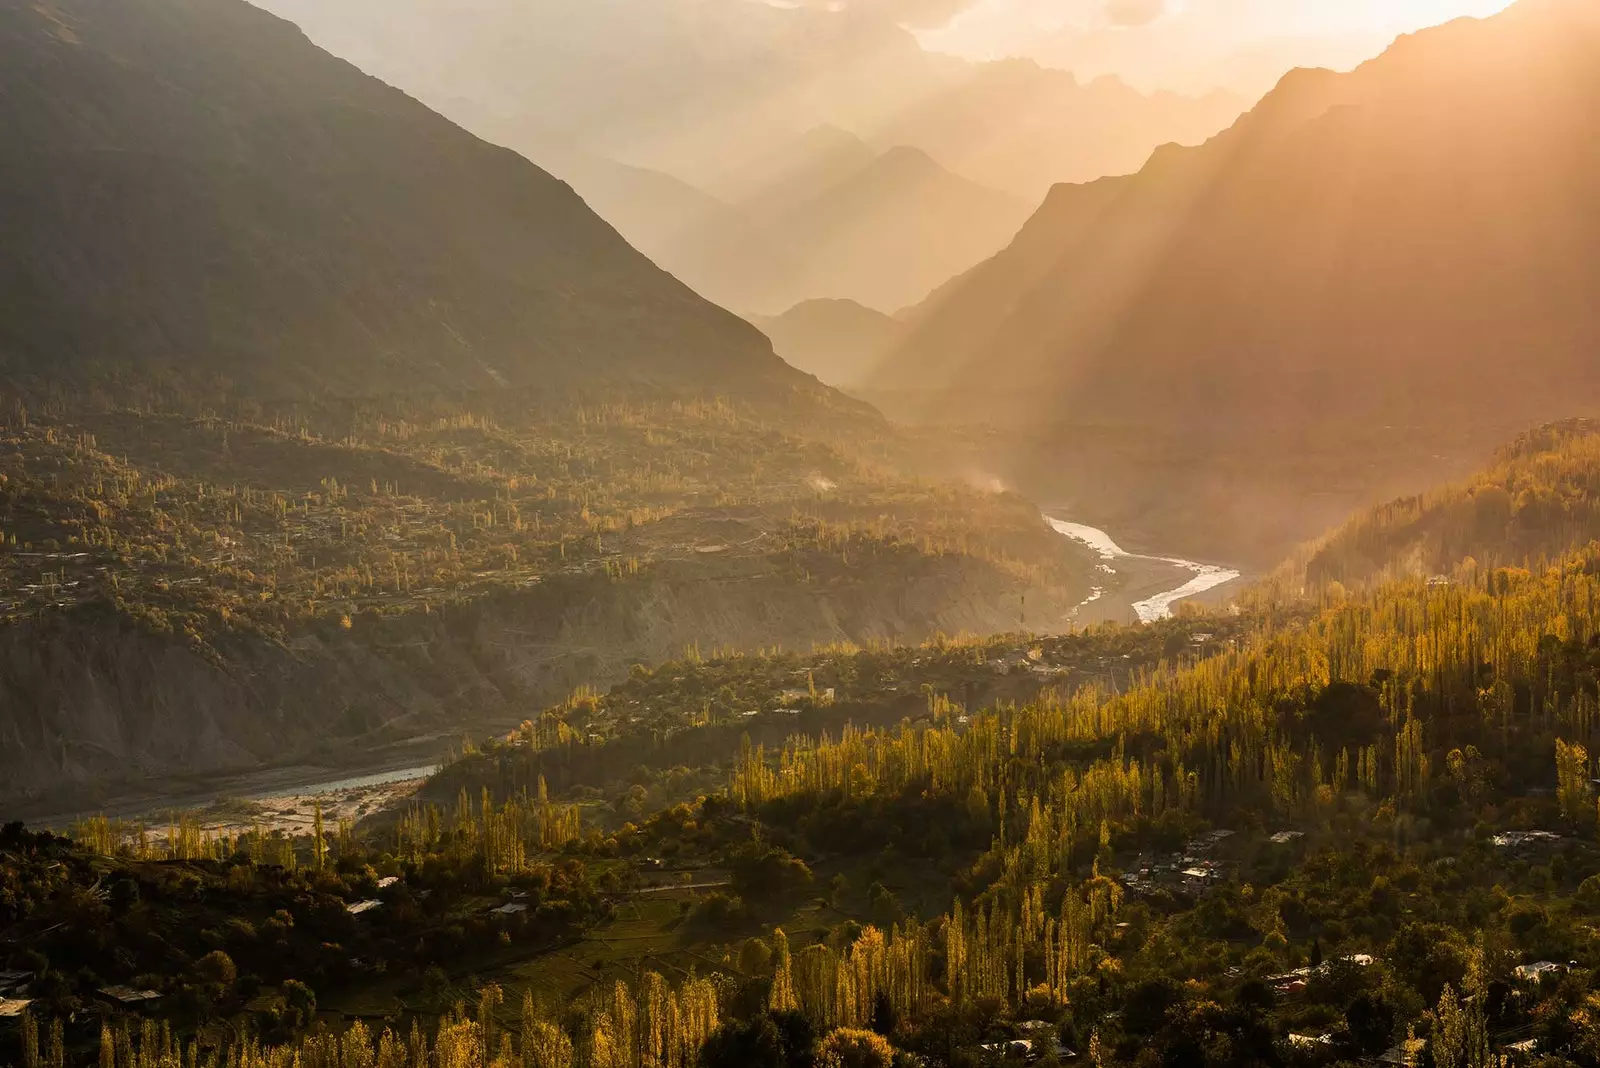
907 157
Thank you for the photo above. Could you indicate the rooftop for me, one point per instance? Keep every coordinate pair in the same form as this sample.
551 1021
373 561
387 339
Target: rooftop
14 1006
130 995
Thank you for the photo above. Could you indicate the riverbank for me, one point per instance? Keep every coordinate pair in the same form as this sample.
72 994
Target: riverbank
234 801
1139 587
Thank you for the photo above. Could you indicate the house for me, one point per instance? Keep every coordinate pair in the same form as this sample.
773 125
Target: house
1311 1041
510 908
129 995
1029 1049
1200 875
10 1007
361 908
387 881
1533 973
1017 1047
1285 837
1528 1047
1294 982
1524 839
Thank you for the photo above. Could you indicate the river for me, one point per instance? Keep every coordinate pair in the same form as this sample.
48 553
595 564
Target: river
1203 577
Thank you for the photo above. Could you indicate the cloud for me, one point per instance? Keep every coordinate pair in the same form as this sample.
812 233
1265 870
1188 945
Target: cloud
1190 45
922 14
1134 12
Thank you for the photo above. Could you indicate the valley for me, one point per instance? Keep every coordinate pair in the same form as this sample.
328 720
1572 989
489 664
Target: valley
726 534
1127 571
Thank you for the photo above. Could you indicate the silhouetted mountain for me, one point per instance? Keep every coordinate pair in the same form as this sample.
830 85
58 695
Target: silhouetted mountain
1413 242
839 341
192 188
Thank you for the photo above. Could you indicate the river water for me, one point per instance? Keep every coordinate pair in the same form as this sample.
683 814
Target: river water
1205 576
352 782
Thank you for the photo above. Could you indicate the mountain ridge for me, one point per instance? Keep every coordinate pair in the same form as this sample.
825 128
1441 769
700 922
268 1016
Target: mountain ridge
1342 226
202 192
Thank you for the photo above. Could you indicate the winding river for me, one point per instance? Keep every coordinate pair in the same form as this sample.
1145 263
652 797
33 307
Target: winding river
1206 576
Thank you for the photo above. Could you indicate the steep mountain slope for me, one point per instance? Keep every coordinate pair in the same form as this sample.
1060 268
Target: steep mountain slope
1414 242
721 251
839 341
1539 500
193 189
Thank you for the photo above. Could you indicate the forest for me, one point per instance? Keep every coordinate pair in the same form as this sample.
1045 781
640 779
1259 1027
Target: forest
519 537
1350 820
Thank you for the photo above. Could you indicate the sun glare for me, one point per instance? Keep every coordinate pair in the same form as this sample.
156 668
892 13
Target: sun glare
1192 45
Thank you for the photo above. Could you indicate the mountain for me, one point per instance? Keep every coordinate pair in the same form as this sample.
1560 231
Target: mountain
799 169
890 232
328 430
763 106
719 250
195 191
839 341
824 215
1411 243
709 89
1538 500
1023 128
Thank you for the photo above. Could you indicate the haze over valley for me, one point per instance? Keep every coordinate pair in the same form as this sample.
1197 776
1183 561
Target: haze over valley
851 534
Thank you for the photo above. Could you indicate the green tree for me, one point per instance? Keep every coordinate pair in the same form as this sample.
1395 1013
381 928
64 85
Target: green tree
852 1048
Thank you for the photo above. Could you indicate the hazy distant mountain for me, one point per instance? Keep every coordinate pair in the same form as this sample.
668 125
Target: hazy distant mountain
839 341
798 170
829 217
889 233
701 89
751 103
1020 127
721 251
1416 242
193 188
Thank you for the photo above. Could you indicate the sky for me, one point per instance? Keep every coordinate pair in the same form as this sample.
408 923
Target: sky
1186 45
